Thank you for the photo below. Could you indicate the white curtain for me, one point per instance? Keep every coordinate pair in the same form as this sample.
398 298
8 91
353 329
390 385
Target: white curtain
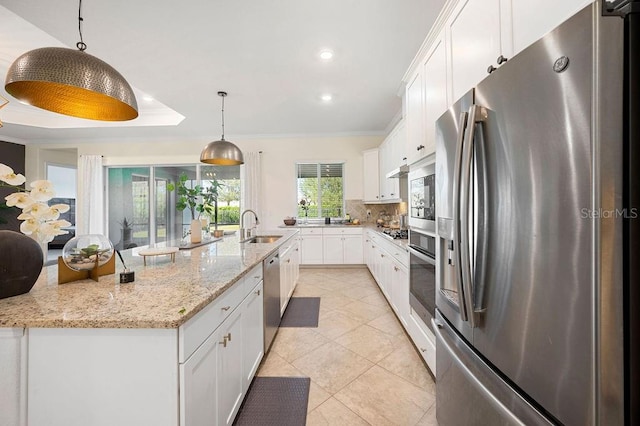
250 174
90 202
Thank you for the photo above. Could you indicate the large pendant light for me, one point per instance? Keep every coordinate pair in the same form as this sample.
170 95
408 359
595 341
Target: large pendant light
71 82
222 152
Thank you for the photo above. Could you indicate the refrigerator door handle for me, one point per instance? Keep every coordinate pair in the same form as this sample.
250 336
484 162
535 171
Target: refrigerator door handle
477 114
449 347
462 125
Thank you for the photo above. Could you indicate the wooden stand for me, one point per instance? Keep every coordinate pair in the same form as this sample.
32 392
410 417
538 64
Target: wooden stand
67 275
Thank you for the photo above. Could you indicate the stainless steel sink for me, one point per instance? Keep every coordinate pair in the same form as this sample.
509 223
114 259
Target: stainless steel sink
262 239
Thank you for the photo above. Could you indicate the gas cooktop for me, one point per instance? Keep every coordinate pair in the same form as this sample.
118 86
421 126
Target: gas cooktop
396 233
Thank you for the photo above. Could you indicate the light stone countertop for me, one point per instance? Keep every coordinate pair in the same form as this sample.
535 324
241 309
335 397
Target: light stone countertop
163 295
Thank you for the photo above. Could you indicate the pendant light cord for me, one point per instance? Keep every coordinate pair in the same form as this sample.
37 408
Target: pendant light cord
81 44
223 117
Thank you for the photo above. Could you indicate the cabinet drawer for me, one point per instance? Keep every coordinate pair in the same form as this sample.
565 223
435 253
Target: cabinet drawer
197 329
252 278
424 340
400 254
310 231
342 231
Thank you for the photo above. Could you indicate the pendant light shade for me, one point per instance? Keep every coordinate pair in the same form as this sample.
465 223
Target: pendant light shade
222 152
71 82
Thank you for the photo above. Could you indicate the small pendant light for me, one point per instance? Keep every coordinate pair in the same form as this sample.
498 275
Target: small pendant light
71 82
222 152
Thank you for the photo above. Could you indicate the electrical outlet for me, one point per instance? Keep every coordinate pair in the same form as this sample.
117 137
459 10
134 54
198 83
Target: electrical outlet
368 213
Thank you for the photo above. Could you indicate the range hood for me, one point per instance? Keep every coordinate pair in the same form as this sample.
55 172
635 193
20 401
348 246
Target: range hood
399 172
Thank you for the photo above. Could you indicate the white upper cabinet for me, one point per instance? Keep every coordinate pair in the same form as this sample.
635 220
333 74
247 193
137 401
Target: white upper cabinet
475 44
414 109
371 180
435 92
533 19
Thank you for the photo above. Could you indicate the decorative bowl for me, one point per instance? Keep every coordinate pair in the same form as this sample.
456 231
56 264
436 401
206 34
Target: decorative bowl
81 253
290 221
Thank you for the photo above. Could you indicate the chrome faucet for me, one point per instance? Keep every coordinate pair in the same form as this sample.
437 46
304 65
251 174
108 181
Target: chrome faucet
246 233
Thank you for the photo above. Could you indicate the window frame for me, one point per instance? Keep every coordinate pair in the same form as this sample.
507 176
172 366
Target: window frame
318 201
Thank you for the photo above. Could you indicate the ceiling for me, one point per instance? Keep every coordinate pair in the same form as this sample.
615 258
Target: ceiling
265 54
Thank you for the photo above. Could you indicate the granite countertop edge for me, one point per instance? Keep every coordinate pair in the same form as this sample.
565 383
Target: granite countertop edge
165 295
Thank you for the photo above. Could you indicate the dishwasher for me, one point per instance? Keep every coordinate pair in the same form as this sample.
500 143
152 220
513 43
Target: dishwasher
271 267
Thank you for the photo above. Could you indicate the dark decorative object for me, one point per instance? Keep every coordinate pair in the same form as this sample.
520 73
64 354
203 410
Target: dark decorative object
20 263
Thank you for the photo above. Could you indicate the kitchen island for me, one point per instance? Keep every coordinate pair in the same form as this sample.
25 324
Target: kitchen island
177 346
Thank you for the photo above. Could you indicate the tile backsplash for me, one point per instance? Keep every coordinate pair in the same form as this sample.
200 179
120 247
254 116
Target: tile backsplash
358 210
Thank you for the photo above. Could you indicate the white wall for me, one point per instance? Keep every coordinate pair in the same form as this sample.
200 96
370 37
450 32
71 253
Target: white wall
278 162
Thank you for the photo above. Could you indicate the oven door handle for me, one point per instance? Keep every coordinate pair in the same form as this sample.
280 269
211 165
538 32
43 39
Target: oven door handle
422 256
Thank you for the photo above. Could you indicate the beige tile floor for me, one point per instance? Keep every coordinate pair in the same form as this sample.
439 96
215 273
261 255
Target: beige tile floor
364 370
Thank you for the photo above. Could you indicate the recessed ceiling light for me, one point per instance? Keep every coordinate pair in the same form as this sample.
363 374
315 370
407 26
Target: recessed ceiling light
147 98
326 55
326 97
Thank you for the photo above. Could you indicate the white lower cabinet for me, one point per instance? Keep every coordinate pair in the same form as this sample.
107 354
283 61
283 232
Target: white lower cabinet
311 246
212 379
389 265
229 378
195 375
252 327
424 340
198 395
399 282
342 246
289 272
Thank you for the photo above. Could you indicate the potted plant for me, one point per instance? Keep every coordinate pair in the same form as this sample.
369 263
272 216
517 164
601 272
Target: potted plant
127 232
209 205
188 198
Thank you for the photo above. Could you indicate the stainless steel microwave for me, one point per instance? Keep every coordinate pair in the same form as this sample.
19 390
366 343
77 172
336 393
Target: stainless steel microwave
422 198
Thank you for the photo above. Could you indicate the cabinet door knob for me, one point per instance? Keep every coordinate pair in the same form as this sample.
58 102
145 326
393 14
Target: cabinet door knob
423 350
419 147
404 158
501 59
228 336
224 342
226 308
491 69
256 276
395 268
393 193
288 260
382 255
257 292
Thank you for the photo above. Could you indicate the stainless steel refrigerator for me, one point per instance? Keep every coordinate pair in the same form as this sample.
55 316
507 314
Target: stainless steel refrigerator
537 204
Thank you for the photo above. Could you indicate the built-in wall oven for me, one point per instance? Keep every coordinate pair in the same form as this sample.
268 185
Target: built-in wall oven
422 197
422 275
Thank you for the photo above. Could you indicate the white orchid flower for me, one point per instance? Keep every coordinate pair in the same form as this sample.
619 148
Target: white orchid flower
48 230
30 224
42 190
61 208
19 199
42 212
8 176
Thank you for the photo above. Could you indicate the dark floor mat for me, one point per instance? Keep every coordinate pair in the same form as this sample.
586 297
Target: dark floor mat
275 401
301 312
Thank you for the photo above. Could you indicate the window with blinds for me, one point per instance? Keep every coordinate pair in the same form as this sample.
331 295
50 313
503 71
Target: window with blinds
320 190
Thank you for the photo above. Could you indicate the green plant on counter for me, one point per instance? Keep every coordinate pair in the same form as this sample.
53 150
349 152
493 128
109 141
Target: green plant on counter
189 197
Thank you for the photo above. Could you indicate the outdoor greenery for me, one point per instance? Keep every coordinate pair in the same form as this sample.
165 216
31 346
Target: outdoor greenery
329 203
228 214
230 191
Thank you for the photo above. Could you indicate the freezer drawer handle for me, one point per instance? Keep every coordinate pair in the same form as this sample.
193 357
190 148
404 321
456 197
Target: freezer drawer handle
440 338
